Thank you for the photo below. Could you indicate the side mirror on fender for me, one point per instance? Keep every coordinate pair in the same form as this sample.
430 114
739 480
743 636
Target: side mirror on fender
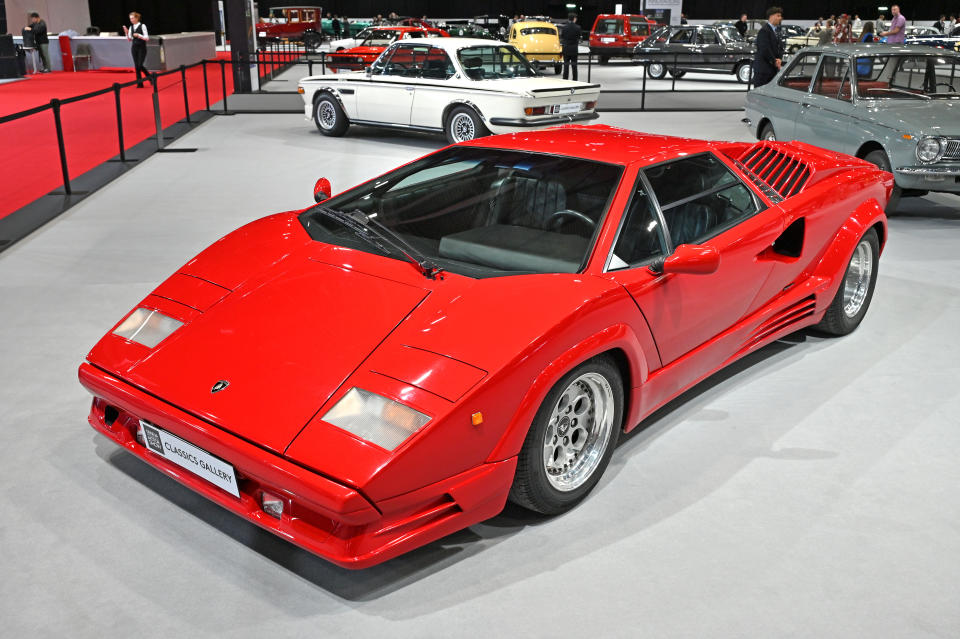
689 258
322 190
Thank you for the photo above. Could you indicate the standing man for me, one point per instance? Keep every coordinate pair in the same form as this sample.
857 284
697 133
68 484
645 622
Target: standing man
769 55
826 35
40 39
842 32
138 36
570 41
897 33
335 25
741 25
857 22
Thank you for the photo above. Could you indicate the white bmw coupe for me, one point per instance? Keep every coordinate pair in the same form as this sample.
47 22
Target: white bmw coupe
465 88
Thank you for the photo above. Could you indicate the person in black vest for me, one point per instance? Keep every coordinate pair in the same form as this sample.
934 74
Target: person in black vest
769 54
570 41
138 36
742 25
40 40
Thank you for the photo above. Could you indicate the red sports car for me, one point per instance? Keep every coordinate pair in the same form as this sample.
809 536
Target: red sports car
376 43
391 365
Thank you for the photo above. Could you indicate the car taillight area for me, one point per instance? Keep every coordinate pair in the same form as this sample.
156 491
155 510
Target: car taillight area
560 109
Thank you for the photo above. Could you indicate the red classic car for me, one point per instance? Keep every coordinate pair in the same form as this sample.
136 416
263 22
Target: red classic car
301 23
391 365
616 35
376 42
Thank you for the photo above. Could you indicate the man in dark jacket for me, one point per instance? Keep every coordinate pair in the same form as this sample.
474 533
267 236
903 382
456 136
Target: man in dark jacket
742 25
40 40
570 41
769 55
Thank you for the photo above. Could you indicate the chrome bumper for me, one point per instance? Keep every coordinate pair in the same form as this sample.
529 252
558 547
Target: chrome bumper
562 119
929 172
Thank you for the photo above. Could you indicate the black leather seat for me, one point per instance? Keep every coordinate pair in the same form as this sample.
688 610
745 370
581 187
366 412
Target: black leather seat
527 201
689 221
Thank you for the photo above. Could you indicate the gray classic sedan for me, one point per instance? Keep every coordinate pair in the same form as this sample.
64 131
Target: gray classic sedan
706 49
897 107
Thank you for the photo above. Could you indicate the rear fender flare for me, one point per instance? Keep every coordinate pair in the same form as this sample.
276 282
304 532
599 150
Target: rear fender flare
834 262
617 337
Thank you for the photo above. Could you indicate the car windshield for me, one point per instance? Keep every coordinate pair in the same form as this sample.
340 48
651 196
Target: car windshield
494 63
538 31
908 77
481 212
380 38
730 33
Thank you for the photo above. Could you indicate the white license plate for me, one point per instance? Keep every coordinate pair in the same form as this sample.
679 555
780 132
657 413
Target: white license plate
570 107
262 34
186 455
607 39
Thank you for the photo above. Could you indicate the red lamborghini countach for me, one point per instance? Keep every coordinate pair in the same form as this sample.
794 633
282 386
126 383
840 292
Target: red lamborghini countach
393 364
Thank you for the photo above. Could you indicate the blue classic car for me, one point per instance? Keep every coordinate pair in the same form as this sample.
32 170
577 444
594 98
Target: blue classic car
895 106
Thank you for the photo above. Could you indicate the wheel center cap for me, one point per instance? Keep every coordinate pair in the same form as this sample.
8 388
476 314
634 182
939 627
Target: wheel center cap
563 425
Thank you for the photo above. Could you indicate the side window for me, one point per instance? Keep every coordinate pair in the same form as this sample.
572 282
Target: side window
699 197
682 36
639 28
437 65
833 78
800 73
406 62
707 36
513 34
610 26
641 238
294 15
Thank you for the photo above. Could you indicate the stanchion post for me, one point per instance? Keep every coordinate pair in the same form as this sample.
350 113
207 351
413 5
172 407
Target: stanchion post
55 105
183 81
589 65
206 88
156 108
116 99
643 89
673 76
323 63
223 83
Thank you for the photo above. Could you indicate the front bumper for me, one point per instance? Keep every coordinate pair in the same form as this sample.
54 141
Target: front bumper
321 515
944 178
525 123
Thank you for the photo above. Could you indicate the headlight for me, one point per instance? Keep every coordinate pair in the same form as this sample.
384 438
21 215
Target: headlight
147 327
929 149
375 418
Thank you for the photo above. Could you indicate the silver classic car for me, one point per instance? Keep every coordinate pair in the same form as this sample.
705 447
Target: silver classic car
706 49
897 107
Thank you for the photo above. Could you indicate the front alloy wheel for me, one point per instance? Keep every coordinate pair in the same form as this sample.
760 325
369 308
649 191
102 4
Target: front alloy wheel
744 73
571 439
656 70
852 300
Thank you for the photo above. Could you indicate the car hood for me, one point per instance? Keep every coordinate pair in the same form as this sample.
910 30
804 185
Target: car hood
285 340
917 117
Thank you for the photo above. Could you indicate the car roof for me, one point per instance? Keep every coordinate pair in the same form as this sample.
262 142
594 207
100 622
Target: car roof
452 44
599 142
534 23
878 48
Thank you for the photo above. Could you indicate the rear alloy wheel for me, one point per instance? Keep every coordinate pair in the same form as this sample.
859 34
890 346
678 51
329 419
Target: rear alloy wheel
744 72
329 116
677 73
767 133
656 70
850 303
880 160
464 124
571 439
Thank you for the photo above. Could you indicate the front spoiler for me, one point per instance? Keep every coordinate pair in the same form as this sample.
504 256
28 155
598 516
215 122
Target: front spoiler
321 515
529 124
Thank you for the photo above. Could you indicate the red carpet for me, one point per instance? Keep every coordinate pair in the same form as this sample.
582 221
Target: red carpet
29 159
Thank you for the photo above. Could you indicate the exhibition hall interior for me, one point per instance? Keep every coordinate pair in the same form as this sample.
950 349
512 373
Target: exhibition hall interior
470 319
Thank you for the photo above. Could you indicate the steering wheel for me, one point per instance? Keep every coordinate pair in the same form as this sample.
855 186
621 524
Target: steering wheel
556 219
952 88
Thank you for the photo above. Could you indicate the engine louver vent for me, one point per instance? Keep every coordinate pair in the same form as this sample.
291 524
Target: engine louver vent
779 172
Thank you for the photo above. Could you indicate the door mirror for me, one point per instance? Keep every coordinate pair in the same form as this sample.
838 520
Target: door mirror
689 258
321 190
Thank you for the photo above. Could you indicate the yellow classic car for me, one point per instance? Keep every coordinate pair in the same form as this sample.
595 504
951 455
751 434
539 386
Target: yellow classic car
539 42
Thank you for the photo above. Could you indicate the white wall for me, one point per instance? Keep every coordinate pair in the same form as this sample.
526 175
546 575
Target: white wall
58 14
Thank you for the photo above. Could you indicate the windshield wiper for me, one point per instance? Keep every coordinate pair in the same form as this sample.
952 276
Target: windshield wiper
904 92
382 237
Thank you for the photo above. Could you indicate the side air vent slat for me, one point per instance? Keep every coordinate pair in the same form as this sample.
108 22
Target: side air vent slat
774 170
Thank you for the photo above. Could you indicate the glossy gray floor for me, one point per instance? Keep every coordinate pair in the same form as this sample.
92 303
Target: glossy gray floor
813 490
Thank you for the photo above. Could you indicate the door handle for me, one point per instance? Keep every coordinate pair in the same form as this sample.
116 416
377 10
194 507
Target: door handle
409 88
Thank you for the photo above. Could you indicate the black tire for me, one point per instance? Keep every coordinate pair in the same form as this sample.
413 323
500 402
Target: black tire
880 160
839 320
677 73
532 487
460 122
558 68
604 59
744 77
312 40
767 132
656 70
329 116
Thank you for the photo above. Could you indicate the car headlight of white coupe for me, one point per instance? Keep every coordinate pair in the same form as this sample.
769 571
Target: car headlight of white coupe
147 326
375 418
929 149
